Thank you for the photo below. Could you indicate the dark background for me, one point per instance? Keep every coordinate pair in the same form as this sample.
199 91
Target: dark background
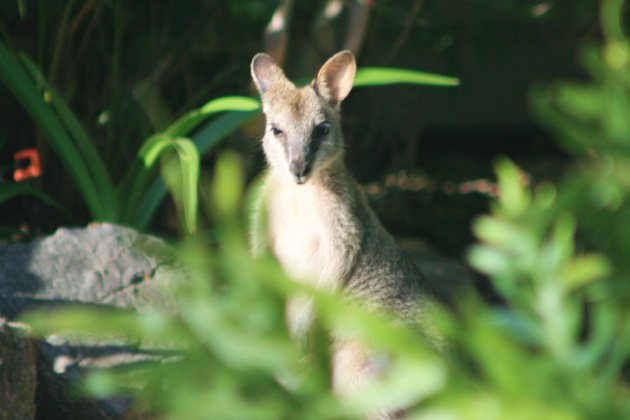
137 65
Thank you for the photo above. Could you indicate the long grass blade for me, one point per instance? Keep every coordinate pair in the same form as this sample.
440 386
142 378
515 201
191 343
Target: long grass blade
184 125
180 171
380 76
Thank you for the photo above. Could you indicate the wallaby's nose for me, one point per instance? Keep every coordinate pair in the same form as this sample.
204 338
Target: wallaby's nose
300 170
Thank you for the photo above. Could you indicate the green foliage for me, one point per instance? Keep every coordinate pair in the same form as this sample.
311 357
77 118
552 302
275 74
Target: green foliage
128 202
558 345
593 117
566 297
74 156
561 318
181 174
76 150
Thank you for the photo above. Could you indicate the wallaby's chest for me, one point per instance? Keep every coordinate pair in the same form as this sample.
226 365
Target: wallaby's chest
301 232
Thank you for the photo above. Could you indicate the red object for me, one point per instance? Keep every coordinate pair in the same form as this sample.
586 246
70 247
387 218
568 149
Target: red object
34 168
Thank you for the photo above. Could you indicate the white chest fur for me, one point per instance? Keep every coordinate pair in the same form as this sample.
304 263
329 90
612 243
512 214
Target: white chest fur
314 237
302 233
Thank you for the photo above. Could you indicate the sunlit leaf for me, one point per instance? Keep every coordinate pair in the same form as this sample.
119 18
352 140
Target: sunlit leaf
101 384
513 196
227 188
584 269
379 76
153 148
410 380
504 234
184 125
180 170
488 260
563 236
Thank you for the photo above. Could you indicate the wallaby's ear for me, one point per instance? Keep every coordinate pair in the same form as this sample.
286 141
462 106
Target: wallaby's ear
265 72
334 80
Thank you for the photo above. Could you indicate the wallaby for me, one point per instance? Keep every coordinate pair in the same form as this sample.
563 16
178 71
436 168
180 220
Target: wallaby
313 216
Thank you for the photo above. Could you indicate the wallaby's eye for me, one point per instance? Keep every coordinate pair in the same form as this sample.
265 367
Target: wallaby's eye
322 129
275 131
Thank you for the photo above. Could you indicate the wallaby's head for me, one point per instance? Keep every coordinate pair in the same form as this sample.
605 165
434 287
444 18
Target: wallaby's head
303 133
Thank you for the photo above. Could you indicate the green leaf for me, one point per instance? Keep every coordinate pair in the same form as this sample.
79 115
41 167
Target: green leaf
180 171
184 125
583 270
409 380
563 236
85 323
379 76
611 19
100 384
488 260
230 103
215 131
77 321
504 234
227 188
583 102
574 136
153 148
513 197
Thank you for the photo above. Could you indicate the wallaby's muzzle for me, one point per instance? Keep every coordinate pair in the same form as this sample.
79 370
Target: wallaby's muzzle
300 169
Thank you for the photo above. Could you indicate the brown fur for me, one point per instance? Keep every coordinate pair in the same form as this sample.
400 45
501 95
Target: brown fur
313 216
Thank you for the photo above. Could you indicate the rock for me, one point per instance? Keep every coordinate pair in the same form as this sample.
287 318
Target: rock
103 264
18 372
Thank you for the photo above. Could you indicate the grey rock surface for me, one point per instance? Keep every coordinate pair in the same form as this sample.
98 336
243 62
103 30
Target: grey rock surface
102 264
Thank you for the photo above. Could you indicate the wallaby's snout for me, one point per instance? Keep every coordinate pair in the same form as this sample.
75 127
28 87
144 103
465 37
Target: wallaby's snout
300 169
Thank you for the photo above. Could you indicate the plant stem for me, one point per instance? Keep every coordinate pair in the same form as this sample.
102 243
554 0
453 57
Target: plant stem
610 15
59 44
